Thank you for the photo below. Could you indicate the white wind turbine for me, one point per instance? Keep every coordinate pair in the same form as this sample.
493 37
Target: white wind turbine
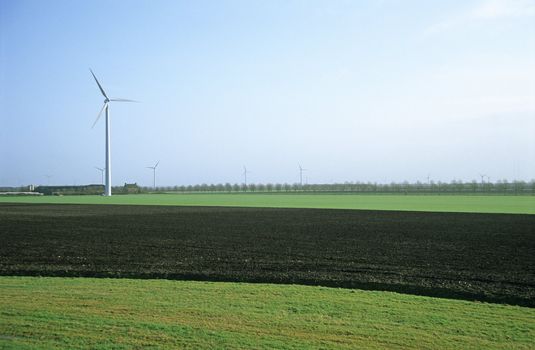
245 172
106 106
48 179
154 173
101 174
301 175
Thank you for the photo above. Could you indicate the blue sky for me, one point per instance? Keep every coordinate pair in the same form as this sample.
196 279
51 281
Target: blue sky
352 90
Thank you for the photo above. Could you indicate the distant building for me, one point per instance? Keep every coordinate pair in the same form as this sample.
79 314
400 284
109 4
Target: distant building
131 188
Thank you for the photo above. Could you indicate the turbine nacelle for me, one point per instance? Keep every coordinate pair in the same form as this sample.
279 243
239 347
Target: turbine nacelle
154 167
107 100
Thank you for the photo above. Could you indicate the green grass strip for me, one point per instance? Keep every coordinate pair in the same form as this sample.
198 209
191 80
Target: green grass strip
73 313
435 203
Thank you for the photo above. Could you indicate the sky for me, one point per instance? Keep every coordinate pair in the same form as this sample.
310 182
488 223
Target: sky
356 91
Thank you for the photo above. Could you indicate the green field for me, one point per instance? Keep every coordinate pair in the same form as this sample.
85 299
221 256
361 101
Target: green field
438 203
74 313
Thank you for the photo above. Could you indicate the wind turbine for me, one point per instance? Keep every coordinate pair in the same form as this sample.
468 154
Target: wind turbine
101 174
245 172
301 175
482 178
48 179
154 173
106 106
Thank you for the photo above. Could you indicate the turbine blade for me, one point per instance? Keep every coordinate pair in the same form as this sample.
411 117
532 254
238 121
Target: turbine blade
99 86
98 116
156 164
123 100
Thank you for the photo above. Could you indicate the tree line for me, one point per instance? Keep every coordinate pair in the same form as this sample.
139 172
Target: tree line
453 187
503 187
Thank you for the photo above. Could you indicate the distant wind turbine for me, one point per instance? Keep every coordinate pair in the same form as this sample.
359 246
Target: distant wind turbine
154 174
482 178
48 179
101 174
301 174
106 106
245 172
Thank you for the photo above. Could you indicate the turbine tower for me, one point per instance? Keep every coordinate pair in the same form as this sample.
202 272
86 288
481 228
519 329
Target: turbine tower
301 175
154 174
101 174
106 106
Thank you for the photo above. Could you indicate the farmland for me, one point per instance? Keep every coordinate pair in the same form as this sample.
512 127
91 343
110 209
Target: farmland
436 203
74 313
489 257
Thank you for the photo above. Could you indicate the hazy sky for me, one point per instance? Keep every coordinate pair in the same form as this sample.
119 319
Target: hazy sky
352 90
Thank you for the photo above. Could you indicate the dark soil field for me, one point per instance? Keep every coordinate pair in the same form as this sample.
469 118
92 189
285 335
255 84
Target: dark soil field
488 257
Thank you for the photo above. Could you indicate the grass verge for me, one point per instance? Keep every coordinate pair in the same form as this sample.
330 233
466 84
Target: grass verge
73 313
